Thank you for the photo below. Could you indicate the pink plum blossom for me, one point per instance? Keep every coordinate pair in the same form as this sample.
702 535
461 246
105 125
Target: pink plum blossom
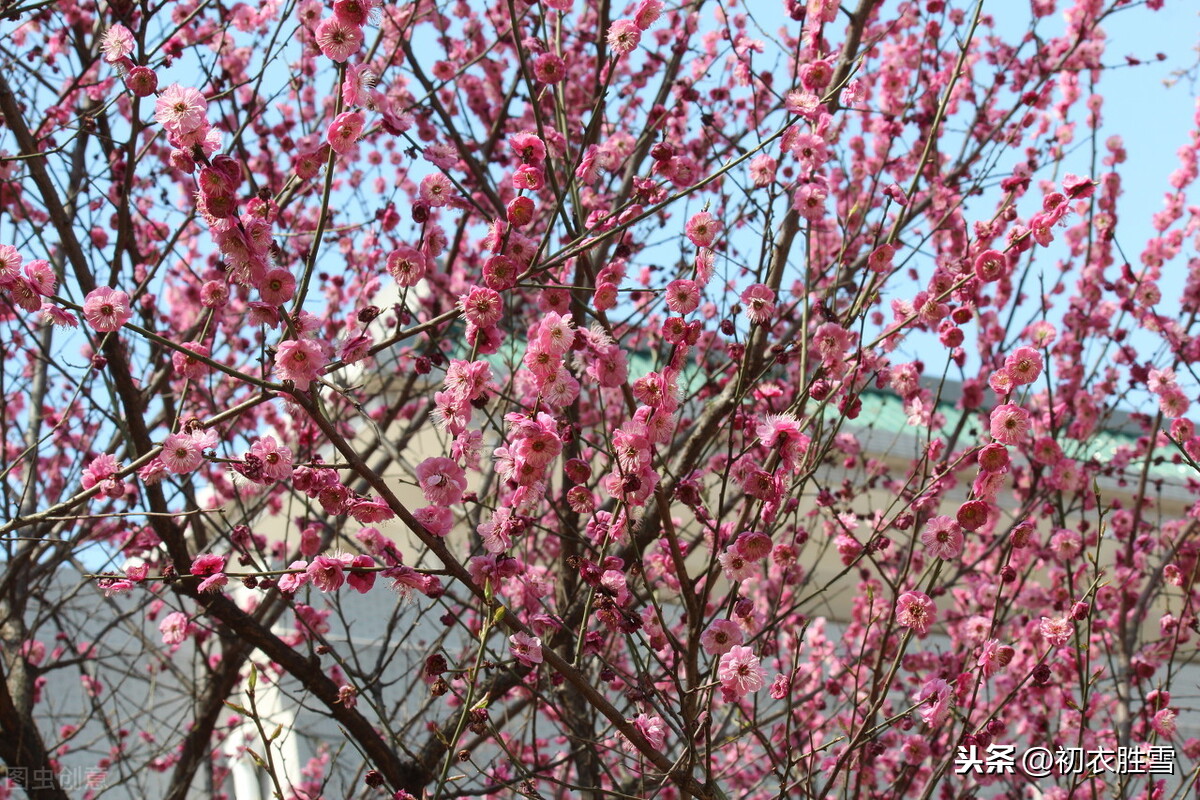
107 309
740 672
526 648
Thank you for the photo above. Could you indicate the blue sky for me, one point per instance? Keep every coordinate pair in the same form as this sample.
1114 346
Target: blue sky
1153 119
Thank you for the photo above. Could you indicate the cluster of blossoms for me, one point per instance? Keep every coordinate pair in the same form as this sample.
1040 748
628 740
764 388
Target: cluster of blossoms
102 472
26 285
183 113
321 484
633 477
534 443
467 383
1172 400
360 571
626 295
549 344
530 176
739 560
807 144
764 473
211 569
117 46
328 573
244 239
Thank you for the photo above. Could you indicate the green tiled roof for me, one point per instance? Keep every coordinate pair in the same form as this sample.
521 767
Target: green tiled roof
884 412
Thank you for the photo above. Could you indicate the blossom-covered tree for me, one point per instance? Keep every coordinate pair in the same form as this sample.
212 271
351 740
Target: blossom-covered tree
577 325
